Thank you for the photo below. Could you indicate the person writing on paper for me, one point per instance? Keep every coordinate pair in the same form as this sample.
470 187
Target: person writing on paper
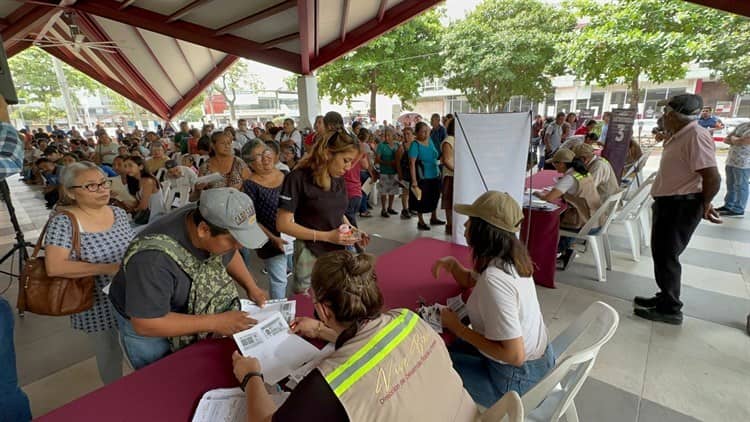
425 177
507 346
105 234
578 190
313 201
403 370
177 281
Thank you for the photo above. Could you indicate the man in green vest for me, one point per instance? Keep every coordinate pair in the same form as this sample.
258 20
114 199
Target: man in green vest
177 281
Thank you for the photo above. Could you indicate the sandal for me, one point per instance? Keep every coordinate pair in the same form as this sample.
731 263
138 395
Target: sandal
365 214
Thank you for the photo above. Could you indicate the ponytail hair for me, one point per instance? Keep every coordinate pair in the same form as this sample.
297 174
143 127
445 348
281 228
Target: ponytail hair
347 284
578 165
334 141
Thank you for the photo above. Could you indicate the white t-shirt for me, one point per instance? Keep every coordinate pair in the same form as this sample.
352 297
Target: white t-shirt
243 137
567 183
295 136
504 307
185 181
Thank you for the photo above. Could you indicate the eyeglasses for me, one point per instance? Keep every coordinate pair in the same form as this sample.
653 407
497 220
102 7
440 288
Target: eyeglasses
94 187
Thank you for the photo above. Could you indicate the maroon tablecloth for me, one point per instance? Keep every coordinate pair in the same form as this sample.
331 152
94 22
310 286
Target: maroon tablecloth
542 237
170 389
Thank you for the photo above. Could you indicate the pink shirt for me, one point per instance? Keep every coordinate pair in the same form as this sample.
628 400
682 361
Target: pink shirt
353 181
687 151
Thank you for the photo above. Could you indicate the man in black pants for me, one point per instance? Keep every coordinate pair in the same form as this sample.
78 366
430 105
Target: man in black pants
685 184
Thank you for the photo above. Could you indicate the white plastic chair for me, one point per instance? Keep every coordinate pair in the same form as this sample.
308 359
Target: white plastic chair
599 242
161 174
509 408
156 205
630 216
554 395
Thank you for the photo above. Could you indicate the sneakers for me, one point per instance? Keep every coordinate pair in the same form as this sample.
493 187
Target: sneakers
405 215
423 227
658 316
727 213
391 211
385 214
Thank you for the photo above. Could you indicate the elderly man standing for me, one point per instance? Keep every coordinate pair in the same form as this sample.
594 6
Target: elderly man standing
685 184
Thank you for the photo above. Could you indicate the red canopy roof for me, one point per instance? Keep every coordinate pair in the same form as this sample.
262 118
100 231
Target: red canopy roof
162 53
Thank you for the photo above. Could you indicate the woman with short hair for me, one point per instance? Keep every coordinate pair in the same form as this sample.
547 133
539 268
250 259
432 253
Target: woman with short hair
105 234
506 348
420 384
313 201
264 187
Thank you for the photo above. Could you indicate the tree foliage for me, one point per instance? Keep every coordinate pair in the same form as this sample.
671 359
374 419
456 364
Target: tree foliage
505 48
37 85
290 82
234 80
393 64
630 38
726 48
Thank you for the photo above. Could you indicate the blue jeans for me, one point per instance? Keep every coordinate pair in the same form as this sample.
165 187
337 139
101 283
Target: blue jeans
14 405
141 350
363 176
487 380
277 266
352 208
737 189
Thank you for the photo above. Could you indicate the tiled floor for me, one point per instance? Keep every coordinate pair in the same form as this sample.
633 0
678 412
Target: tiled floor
648 372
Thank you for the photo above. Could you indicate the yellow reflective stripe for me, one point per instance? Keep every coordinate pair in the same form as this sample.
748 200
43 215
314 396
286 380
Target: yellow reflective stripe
579 176
366 348
366 367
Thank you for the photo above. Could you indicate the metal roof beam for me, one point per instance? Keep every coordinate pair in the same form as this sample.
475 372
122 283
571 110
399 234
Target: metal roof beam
255 17
184 10
280 40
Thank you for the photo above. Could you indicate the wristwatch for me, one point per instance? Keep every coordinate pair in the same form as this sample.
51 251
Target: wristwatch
247 377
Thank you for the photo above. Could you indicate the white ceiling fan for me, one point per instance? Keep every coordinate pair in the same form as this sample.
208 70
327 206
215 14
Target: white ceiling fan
48 36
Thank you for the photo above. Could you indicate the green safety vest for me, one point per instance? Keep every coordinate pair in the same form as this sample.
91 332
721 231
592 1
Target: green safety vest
212 290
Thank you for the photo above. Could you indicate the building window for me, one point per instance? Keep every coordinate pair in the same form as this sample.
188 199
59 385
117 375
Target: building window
563 106
617 99
653 96
596 103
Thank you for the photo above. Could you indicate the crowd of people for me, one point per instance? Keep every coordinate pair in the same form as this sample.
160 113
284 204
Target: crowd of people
168 223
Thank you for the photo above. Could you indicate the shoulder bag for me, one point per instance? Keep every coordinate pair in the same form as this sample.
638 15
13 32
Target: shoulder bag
44 295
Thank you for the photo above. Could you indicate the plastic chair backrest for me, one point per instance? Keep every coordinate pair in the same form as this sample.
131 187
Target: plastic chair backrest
576 348
156 205
160 174
607 208
632 206
509 406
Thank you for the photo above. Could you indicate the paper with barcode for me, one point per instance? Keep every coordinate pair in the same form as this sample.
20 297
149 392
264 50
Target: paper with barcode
287 308
289 245
279 351
228 405
457 305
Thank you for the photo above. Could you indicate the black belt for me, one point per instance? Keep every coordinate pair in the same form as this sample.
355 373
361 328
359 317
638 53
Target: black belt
688 197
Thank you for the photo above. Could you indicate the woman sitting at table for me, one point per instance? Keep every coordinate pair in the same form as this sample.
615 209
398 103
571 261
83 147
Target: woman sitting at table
313 201
507 346
387 366
578 190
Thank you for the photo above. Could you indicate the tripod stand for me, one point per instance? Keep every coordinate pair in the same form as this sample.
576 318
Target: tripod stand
21 244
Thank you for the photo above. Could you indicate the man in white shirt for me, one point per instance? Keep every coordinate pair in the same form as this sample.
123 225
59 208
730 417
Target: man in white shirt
179 177
290 136
242 135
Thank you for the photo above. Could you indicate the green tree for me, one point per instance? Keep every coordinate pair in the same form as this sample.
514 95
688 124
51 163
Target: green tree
194 111
234 80
626 40
290 82
393 64
726 48
505 48
37 85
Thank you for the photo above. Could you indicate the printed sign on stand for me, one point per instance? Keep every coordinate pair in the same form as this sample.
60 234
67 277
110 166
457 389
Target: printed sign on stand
619 135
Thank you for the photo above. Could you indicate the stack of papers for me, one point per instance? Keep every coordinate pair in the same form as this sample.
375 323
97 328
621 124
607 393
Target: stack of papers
228 405
279 351
287 308
431 314
538 204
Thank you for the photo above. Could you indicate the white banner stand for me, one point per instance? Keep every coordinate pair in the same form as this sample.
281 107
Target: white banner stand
490 154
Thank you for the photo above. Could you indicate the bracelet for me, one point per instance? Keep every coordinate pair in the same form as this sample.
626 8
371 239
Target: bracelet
315 236
318 328
247 377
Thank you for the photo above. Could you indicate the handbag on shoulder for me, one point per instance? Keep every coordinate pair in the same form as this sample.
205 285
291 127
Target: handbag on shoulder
44 295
